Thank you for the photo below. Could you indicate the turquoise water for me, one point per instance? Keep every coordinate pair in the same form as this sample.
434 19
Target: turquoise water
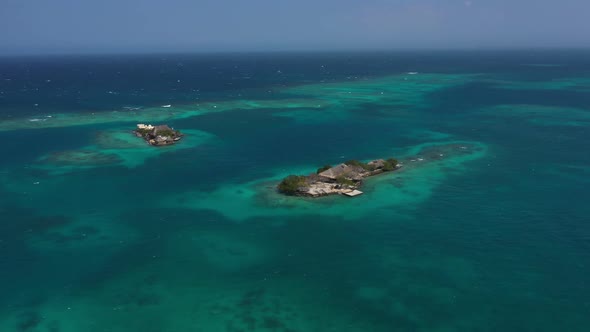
484 229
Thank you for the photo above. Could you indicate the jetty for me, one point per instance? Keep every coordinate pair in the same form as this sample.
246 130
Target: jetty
353 193
343 179
157 135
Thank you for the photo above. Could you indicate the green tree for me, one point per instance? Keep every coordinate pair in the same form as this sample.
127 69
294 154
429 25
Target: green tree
143 131
166 132
291 184
344 181
390 164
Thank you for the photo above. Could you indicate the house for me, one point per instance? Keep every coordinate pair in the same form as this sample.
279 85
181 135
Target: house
144 126
350 172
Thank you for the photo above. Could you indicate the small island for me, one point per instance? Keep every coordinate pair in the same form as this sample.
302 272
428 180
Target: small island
343 179
157 135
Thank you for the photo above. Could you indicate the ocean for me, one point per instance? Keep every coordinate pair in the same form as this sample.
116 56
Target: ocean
484 228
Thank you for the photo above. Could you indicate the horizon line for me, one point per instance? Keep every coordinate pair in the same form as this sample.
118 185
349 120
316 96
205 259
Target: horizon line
294 51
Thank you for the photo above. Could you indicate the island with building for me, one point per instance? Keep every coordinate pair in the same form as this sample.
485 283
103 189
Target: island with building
343 179
157 135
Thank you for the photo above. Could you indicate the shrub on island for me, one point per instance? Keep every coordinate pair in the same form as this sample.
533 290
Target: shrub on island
167 133
291 184
390 164
143 131
342 180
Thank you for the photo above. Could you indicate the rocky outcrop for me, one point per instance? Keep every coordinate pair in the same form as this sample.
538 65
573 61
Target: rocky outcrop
158 135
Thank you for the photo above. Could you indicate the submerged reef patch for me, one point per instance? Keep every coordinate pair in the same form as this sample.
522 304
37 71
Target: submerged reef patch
425 167
114 148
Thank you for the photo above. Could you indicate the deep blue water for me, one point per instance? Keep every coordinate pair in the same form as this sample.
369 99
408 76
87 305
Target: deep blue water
499 243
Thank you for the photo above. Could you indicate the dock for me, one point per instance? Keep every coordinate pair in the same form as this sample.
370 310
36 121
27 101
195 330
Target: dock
353 193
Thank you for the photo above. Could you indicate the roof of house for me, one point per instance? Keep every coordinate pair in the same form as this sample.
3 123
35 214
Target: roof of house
342 170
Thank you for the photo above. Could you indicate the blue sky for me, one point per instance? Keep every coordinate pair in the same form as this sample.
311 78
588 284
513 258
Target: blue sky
87 26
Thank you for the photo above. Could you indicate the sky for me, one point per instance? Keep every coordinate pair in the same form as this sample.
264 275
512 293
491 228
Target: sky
130 26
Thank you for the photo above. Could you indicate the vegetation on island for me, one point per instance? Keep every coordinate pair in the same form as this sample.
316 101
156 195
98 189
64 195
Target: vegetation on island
167 133
388 165
143 131
291 184
344 181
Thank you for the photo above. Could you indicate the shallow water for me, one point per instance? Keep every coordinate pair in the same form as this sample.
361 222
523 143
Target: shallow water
485 229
